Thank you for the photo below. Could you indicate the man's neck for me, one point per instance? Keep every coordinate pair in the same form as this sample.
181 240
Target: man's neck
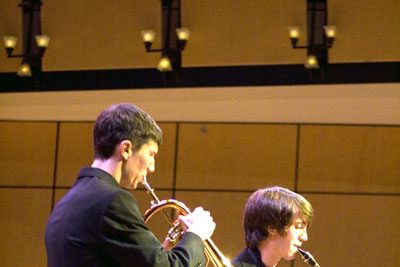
268 255
109 165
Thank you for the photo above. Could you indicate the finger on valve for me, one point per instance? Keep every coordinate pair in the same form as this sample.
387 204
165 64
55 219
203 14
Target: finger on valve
199 222
193 217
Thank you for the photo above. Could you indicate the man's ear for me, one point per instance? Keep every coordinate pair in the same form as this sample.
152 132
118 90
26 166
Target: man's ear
125 149
271 231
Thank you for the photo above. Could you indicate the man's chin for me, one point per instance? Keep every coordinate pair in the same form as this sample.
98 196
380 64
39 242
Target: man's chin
133 186
129 186
291 256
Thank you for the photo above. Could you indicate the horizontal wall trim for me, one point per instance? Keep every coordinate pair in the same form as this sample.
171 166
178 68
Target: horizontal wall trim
219 122
222 191
26 187
379 72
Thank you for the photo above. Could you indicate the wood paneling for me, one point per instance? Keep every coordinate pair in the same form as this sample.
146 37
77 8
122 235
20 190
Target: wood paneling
355 230
228 37
27 153
349 159
165 160
75 150
351 228
59 193
368 30
24 214
108 36
235 156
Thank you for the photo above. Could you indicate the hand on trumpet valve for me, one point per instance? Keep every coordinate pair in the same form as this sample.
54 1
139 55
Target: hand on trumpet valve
198 222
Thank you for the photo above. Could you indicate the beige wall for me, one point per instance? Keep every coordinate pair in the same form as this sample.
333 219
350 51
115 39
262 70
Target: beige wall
348 104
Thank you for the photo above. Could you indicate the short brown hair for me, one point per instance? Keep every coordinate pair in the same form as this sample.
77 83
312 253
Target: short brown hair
123 122
272 208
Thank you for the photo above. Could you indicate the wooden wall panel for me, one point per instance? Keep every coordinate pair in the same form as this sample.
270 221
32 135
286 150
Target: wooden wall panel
103 27
24 215
355 230
223 36
349 159
75 150
235 156
368 30
59 193
165 160
27 153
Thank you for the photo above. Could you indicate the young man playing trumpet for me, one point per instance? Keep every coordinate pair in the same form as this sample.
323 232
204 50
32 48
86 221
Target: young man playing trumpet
98 222
275 224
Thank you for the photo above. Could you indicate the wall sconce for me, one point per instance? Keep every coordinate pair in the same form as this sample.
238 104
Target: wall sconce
320 35
311 62
164 64
34 44
174 38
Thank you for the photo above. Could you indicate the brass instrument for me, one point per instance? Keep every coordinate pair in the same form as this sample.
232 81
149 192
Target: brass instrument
308 258
175 233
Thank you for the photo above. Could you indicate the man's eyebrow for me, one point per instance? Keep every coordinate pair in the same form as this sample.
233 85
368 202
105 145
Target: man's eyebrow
300 221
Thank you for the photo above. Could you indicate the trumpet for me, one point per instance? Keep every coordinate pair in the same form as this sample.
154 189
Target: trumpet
175 233
308 258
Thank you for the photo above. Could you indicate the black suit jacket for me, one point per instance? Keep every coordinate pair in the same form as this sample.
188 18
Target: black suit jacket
248 258
99 224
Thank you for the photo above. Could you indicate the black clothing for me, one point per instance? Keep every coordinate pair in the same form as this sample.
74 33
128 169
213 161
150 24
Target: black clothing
99 224
248 258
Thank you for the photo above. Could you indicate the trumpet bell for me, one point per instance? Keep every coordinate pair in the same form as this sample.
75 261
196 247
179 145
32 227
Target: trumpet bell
214 255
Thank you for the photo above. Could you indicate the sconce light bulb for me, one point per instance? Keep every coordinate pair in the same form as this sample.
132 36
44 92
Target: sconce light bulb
294 32
24 70
42 41
183 33
148 36
312 62
164 64
10 41
330 31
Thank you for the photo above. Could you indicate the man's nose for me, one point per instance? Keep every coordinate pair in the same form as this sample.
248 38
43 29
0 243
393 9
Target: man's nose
304 236
151 167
